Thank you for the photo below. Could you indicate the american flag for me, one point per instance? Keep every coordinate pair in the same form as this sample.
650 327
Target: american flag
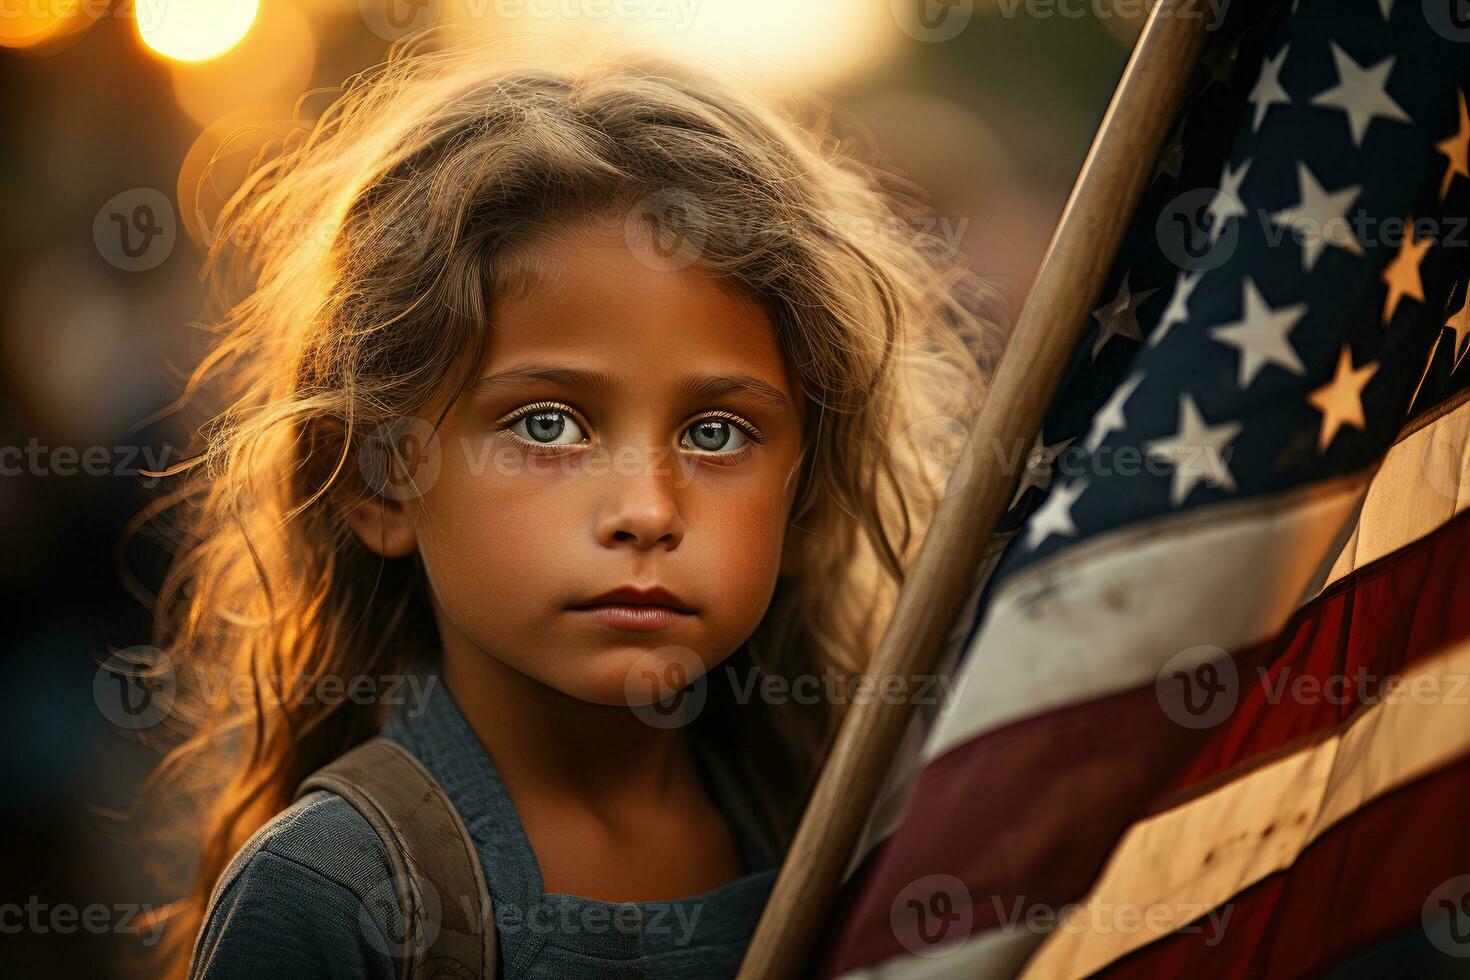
1211 715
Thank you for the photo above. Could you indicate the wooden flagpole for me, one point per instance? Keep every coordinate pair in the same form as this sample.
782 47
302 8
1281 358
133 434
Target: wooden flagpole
1071 275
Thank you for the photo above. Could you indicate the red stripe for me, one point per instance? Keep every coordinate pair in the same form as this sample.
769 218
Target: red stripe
1371 624
1364 880
1032 810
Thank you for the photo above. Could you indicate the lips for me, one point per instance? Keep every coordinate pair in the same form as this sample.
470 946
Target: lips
633 596
631 608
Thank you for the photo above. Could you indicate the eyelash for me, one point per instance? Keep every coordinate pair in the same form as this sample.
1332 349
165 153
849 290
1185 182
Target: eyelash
755 435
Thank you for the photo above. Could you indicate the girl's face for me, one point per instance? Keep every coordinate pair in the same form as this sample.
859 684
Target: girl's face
629 426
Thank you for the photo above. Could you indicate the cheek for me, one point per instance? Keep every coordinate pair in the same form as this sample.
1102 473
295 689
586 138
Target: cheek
739 545
491 547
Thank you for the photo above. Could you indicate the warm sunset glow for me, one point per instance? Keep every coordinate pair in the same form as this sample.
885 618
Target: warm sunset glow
194 30
815 42
811 42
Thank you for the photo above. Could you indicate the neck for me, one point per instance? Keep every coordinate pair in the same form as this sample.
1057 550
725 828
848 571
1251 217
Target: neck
547 744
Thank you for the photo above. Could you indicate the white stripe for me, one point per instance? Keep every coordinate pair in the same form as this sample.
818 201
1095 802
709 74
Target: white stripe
1059 632
1423 483
1106 615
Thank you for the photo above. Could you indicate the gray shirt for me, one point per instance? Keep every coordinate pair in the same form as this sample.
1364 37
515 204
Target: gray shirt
311 894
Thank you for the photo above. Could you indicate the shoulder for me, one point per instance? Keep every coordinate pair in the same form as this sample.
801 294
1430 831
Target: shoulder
311 892
325 835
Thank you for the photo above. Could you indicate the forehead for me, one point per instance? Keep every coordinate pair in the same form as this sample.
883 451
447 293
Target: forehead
582 297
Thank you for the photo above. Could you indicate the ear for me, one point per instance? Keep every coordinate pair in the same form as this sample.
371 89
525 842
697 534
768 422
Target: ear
384 525
379 493
379 499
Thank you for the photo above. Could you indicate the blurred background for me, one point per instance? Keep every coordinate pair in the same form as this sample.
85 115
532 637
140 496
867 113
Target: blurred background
111 113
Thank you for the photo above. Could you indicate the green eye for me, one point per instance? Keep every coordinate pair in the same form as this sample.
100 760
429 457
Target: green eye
548 427
716 435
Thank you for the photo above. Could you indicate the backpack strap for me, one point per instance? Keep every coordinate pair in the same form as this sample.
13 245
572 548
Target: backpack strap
449 926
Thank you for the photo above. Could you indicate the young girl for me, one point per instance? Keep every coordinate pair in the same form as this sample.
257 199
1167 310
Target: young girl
558 392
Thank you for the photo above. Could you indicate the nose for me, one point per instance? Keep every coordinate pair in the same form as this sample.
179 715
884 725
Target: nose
638 506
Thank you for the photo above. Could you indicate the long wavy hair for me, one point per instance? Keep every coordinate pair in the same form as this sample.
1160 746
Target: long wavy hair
352 277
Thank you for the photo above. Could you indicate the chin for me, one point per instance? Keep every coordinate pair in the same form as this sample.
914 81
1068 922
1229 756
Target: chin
634 676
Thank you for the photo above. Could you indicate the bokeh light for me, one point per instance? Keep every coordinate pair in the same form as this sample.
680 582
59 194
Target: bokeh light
38 23
271 66
217 164
194 30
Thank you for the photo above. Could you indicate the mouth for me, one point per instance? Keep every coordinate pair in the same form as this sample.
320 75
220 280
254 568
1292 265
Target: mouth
635 609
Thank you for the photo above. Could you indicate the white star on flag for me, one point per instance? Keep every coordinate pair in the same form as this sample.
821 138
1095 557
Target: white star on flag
1055 515
1109 418
1197 452
1261 336
1361 93
1268 90
1320 219
1227 203
1178 309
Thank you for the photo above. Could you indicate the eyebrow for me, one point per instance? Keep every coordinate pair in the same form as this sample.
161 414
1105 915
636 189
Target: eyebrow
691 385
